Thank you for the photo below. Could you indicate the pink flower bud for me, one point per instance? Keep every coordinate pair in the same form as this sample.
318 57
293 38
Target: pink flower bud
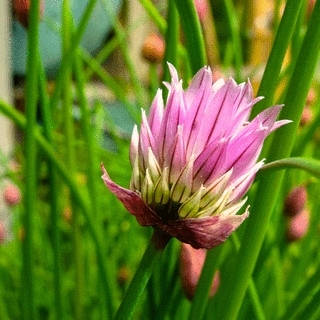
202 8
312 96
306 117
191 264
153 48
21 9
295 201
298 225
11 195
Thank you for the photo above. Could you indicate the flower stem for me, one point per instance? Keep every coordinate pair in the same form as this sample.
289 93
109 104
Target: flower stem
193 34
30 164
139 282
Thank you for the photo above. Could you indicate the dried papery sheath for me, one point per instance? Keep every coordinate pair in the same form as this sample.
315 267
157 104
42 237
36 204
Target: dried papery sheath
194 159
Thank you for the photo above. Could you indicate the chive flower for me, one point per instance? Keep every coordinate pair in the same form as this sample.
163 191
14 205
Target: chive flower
195 158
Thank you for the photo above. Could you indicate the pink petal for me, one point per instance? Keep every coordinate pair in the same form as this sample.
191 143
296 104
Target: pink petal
204 232
156 113
132 202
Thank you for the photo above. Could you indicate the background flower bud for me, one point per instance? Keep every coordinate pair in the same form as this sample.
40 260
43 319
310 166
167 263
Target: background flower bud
202 8
306 117
191 264
21 9
295 201
153 48
298 225
11 195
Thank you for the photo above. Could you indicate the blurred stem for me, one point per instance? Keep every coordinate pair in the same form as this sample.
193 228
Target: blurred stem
30 197
171 39
70 158
54 192
192 33
140 280
154 15
269 186
104 53
123 44
308 290
112 84
235 36
269 81
92 163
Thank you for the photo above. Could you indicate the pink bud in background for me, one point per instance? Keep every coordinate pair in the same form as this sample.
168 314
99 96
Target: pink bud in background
21 9
295 201
153 48
191 264
202 8
11 195
306 117
298 225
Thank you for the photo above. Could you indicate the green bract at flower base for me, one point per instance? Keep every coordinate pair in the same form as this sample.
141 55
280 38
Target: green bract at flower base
195 159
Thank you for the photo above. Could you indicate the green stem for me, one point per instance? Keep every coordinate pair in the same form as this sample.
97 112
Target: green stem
269 81
154 15
235 36
309 165
53 178
303 297
70 159
269 186
172 39
31 161
139 282
193 34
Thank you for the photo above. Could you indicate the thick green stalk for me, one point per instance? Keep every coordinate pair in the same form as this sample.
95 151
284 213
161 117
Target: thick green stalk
172 39
269 81
30 196
139 282
235 36
70 160
269 186
193 34
54 194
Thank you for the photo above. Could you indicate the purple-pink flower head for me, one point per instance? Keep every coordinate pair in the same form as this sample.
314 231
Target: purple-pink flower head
195 158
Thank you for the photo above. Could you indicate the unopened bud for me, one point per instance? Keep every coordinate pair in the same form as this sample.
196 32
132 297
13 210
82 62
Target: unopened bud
202 8
124 274
11 195
153 48
191 264
295 201
298 225
306 117
312 96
